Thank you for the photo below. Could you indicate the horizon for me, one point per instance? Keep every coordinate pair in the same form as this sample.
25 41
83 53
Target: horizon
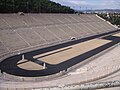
90 4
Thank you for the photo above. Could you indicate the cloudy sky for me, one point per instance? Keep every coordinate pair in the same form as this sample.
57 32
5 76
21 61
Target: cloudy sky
90 4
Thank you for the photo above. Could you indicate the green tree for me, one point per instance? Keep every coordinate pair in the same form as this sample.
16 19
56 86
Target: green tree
37 6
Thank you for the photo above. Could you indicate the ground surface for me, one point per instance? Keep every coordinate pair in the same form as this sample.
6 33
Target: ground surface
103 68
29 65
107 63
64 54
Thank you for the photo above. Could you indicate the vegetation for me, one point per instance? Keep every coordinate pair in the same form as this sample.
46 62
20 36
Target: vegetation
33 6
114 18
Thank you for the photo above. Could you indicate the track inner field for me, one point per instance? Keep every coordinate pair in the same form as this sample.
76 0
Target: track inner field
56 57
29 65
117 35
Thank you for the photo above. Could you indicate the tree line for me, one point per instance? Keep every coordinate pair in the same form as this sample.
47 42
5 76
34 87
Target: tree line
33 6
114 18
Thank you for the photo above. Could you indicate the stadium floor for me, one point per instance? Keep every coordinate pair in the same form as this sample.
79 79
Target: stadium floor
11 66
61 55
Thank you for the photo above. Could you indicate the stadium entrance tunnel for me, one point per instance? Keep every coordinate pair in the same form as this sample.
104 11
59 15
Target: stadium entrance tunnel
13 65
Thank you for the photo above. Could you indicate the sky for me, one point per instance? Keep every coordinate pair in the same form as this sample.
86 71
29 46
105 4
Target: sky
90 4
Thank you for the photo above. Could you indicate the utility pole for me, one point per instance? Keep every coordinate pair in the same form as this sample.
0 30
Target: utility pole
86 10
80 10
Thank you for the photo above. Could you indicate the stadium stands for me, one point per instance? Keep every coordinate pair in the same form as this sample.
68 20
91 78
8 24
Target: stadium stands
52 18
24 33
30 21
62 19
76 30
84 28
69 18
46 34
58 32
95 19
13 21
18 32
3 24
12 40
3 49
30 36
68 30
41 19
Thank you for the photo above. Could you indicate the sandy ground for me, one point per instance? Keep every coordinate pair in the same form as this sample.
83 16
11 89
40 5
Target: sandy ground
29 65
64 54
118 35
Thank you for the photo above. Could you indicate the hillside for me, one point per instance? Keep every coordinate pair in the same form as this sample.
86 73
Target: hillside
33 6
114 18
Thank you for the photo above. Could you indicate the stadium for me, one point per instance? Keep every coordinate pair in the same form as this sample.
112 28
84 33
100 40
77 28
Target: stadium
54 51
48 46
